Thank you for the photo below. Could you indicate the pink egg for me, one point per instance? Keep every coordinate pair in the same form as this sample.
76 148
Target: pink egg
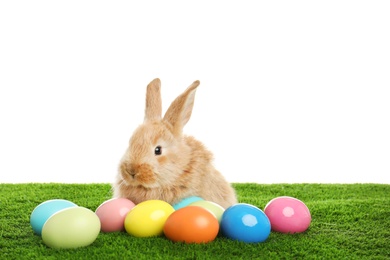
112 214
288 215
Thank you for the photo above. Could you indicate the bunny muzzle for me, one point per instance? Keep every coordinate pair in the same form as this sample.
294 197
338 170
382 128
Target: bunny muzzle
138 174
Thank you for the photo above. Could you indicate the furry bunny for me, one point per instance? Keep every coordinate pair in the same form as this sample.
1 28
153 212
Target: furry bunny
162 163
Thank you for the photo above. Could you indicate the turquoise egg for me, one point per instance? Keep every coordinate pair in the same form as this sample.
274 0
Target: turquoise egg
45 210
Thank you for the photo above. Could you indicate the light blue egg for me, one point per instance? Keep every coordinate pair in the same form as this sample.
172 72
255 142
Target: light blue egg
45 210
186 201
246 223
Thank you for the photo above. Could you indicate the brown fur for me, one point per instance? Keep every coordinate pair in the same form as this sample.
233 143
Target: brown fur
185 166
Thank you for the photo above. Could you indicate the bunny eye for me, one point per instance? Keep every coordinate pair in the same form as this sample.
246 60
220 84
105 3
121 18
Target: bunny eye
158 150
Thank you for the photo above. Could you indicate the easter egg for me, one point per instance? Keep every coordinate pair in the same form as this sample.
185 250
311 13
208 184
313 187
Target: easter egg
112 214
186 201
288 215
246 223
214 208
191 224
147 218
71 228
45 210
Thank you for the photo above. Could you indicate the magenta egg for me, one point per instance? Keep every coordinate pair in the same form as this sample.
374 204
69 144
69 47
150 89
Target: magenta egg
288 215
112 214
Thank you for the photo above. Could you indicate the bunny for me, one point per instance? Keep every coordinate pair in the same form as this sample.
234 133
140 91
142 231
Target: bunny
163 164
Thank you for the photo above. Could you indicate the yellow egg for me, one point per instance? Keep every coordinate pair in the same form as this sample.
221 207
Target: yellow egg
147 218
71 228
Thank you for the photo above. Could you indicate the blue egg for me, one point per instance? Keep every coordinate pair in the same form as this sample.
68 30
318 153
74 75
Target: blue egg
45 210
245 222
186 201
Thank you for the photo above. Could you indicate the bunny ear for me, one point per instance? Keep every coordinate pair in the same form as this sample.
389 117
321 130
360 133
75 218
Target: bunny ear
153 101
179 112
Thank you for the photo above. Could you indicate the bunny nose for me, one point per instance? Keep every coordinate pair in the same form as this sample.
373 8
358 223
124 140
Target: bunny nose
131 172
128 169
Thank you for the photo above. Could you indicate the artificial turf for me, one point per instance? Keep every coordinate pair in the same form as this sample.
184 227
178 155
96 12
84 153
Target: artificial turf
349 221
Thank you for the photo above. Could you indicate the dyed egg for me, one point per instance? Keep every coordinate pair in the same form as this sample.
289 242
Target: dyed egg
245 222
214 208
71 228
288 215
191 224
45 210
147 218
186 201
112 214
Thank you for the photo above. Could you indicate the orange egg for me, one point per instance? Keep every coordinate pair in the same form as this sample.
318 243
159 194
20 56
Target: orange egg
191 224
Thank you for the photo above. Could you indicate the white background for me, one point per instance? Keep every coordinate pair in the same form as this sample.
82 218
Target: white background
291 91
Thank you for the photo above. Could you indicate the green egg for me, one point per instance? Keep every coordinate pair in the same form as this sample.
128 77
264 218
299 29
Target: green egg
214 208
71 228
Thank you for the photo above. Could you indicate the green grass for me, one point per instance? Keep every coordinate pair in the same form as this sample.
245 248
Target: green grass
349 221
